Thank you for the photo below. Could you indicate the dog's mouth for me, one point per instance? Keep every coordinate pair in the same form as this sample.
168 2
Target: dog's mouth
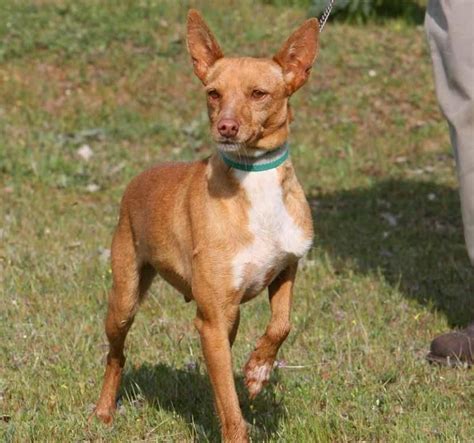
229 145
236 145
241 149
228 142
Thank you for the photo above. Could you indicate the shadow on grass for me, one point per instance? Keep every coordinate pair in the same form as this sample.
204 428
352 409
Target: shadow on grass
408 231
188 393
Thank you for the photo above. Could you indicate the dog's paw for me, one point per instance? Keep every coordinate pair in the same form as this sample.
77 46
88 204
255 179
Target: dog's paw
105 415
257 374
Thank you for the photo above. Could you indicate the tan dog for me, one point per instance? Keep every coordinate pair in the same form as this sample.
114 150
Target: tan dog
222 229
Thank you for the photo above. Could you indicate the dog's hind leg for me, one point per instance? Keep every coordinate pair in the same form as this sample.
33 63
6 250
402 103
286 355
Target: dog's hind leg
260 363
130 283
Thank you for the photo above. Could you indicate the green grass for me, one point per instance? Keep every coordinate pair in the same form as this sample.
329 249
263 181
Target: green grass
388 270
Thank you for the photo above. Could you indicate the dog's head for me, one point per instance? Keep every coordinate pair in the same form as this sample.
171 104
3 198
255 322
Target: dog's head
247 98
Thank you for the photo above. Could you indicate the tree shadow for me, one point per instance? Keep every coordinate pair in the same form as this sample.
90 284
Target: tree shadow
188 393
408 231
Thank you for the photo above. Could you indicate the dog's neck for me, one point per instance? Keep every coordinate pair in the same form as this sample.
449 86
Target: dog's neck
262 160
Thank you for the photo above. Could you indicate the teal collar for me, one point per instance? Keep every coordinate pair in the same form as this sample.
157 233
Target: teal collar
270 160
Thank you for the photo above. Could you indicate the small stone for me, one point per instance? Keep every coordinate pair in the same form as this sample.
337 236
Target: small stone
389 218
85 152
92 187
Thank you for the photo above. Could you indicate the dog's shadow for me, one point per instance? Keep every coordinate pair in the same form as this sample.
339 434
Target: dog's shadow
188 393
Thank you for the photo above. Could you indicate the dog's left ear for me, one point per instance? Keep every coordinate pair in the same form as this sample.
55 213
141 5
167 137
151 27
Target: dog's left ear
202 45
297 55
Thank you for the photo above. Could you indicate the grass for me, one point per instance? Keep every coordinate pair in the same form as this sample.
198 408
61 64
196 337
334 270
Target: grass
388 270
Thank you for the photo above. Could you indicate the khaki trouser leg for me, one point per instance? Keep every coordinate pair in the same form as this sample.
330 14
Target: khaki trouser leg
450 30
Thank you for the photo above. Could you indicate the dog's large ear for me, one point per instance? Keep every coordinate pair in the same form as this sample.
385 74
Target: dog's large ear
202 45
297 55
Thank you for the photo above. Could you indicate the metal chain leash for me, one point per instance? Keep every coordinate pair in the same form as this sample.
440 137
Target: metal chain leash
325 16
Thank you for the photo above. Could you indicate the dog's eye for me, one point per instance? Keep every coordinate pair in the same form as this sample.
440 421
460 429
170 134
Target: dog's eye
258 93
213 94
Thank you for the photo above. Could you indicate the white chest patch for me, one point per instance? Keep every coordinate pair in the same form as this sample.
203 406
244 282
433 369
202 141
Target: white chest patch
276 236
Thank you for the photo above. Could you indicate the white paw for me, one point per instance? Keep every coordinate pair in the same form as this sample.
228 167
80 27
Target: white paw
257 377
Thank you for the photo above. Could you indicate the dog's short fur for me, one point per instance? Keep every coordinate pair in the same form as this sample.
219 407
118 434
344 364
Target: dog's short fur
217 234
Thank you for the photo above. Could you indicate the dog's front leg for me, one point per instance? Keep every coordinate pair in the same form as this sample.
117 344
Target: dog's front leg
217 326
260 363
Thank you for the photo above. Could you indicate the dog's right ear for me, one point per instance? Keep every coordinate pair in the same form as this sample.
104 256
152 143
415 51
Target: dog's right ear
202 45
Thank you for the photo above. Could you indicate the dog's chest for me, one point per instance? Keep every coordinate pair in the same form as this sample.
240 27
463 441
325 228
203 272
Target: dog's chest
277 238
